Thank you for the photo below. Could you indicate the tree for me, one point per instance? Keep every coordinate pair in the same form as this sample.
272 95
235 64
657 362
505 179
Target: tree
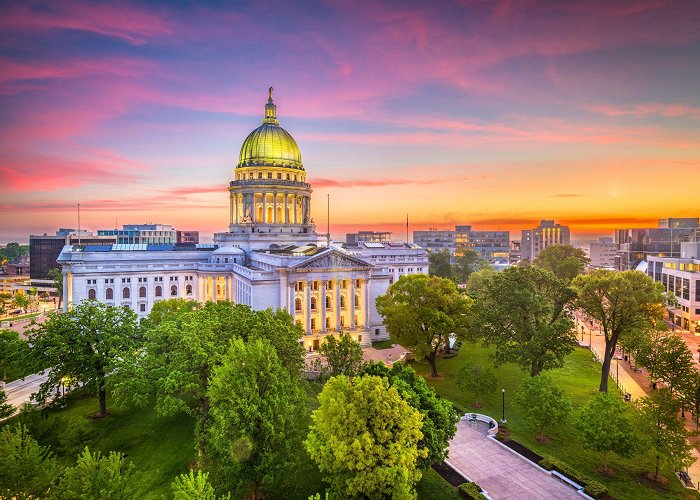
667 358
691 396
6 409
439 264
164 310
194 487
477 379
12 351
180 353
522 312
420 312
98 477
564 261
605 425
622 303
26 469
21 299
57 276
82 344
663 431
543 402
255 407
364 439
478 280
439 416
467 261
343 355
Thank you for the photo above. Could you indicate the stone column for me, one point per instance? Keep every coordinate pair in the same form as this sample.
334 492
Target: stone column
264 204
338 292
367 304
284 292
234 206
352 303
307 317
323 305
68 290
214 279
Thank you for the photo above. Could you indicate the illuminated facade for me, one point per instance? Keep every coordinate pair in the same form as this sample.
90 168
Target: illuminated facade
270 257
545 235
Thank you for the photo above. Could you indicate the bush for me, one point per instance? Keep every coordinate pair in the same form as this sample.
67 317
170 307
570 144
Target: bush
471 490
452 354
503 434
591 487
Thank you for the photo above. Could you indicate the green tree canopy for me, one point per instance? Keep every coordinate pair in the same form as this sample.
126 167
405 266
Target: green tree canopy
6 409
476 379
82 344
543 402
663 431
564 261
364 439
180 353
439 416
439 264
420 312
606 425
26 469
343 355
21 299
666 357
255 407
12 351
467 261
522 312
193 486
98 477
623 303
57 276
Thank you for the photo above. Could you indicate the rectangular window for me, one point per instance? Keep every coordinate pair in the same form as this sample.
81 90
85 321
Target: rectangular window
686 288
697 290
679 284
143 308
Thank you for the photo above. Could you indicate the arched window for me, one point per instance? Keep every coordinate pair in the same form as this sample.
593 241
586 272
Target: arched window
357 301
159 291
329 285
328 303
173 291
92 295
109 294
142 291
297 305
126 293
188 289
313 303
342 301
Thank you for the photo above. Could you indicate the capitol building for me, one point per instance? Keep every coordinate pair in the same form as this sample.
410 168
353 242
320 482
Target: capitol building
270 257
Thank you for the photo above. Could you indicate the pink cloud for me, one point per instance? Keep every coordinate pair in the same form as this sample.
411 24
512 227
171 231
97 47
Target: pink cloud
647 109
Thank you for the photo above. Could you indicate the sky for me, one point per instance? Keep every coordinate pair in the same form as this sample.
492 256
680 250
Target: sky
490 113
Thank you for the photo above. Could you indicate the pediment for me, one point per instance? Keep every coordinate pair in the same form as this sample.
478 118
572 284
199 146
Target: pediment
331 260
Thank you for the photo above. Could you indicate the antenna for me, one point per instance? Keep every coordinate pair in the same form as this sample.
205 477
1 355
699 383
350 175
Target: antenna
407 229
78 224
328 220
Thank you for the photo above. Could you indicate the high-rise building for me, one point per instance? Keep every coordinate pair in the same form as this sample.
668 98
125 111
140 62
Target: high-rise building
188 237
492 246
545 235
637 244
142 234
435 240
352 239
602 252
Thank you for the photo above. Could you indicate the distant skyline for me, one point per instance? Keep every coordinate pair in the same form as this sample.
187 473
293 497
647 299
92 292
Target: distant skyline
494 114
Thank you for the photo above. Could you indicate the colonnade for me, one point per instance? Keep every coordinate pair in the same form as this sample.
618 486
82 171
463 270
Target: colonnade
269 207
323 305
215 288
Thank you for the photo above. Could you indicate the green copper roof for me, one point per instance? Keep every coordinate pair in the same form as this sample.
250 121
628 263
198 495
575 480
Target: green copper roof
270 144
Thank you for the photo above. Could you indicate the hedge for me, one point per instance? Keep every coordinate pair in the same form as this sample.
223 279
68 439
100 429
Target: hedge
590 486
471 490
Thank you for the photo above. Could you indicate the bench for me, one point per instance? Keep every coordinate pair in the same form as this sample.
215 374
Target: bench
684 477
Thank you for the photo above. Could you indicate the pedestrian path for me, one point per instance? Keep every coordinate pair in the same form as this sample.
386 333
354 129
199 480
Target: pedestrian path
20 391
502 473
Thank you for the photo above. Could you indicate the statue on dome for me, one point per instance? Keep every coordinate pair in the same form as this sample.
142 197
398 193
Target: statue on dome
270 93
247 218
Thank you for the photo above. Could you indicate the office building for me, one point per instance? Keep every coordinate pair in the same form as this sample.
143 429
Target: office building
545 235
352 239
636 245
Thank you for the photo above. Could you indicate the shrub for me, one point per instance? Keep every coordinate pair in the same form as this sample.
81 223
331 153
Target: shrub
591 487
471 490
596 489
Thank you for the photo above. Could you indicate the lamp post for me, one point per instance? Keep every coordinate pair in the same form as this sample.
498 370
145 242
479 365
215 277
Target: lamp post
503 414
590 342
582 334
617 371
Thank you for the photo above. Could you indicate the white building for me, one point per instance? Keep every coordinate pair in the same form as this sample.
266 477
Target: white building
602 252
545 235
270 257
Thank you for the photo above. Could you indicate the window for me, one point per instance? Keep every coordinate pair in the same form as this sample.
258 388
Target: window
358 283
328 303
329 285
342 301
313 303
313 323
173 291
259 175
357 301
142 308
159 291
297 305
109 294
126 293
279 176
269 175
188 289
92 294
697 290
287 176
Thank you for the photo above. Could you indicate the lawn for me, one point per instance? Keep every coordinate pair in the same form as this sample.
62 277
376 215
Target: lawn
383 344
162 448
580 378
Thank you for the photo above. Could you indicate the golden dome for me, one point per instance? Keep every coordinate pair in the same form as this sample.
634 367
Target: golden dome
270 144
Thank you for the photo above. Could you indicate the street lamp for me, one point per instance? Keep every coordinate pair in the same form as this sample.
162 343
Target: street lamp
582 334
590 343
503 415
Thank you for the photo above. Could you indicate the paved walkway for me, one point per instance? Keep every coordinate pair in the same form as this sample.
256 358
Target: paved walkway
20 391
501 473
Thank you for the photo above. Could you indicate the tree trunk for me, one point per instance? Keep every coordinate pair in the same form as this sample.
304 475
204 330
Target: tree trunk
607 360
433 365
656 473
102 397
535 368
255 490
201 439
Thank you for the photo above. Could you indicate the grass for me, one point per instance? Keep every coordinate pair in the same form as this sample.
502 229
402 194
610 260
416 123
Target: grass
12 319
162 447
580 378
382 344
